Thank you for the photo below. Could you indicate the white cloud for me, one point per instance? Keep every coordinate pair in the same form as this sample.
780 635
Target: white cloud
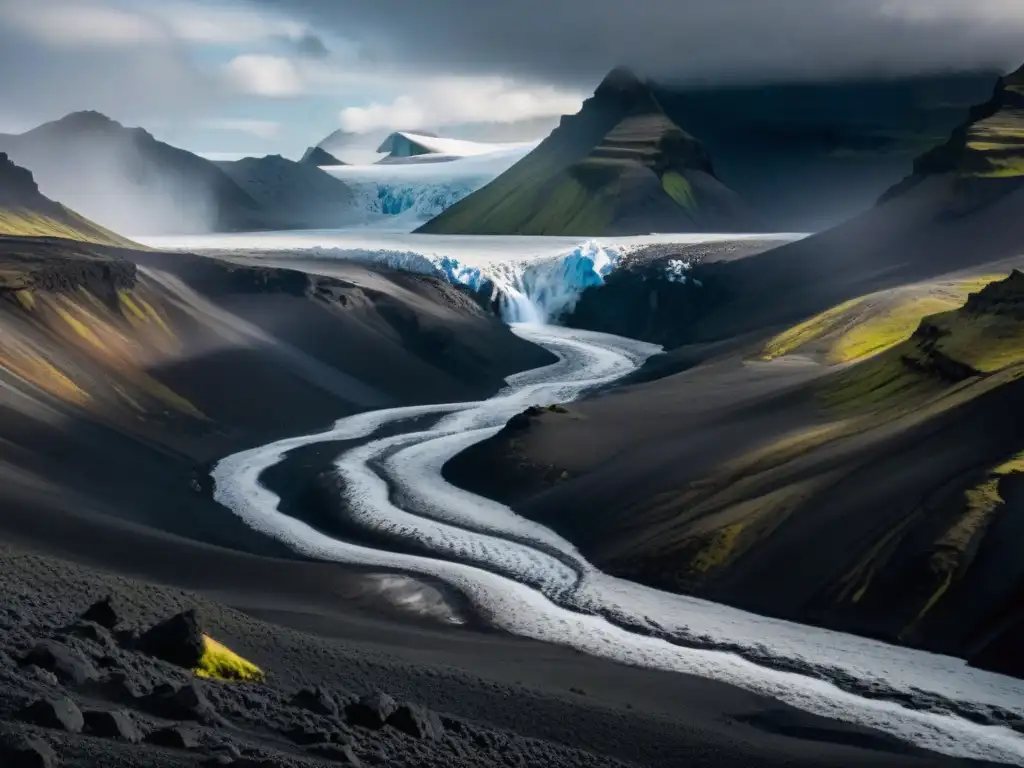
454 100
264 75
223 24
263 129
83 23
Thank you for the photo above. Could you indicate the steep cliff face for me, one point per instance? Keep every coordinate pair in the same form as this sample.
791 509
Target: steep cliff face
619 166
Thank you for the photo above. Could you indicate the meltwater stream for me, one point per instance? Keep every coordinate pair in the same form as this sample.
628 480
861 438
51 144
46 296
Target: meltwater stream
524 579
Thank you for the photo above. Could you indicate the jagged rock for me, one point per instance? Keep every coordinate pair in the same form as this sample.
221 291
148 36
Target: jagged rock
371 711
69 666
25 752
123 687
175 737
187 702
335 752
102 612
317 700
178 640
417 721
92 632
58 713
306 735
44 676
113 725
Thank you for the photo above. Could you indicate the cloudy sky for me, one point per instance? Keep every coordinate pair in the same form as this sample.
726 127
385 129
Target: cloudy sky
273 76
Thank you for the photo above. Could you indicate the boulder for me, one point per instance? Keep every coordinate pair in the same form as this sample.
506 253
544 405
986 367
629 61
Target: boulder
178 640
25 752
175 737
334 752
417 721
58 713
186 702
371 711
317 700
117 725
92 632
69 666
102 612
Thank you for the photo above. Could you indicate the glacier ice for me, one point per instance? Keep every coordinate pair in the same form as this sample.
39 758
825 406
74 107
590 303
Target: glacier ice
531 279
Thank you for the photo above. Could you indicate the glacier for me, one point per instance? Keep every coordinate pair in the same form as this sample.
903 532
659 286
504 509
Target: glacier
531 279
402 196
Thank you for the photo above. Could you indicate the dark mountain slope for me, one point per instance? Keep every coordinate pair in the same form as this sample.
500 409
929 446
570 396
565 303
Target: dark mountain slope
882 498
26 212
298 194
809 155
620 166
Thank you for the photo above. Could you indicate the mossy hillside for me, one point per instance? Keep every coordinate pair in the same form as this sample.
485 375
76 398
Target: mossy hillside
93 351
572 183
869 325
945 354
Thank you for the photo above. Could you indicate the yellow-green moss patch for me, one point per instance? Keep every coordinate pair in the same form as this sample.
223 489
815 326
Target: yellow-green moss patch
221 663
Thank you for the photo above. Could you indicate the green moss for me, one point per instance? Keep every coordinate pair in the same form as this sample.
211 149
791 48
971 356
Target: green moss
61 223
869 325
678 187
221 663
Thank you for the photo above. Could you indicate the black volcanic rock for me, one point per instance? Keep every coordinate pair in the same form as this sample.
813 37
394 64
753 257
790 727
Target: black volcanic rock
175 737
178 640
371 711
60 714
418 722
69 666
25 752
318 700
186 702
102 612
116 725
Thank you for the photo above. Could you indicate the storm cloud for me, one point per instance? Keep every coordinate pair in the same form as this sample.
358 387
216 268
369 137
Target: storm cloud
572 42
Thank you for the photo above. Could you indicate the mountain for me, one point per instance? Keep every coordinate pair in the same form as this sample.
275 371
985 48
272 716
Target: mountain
619 166
317 156
26 212
297 194
983 159
809 155
834 436
125 179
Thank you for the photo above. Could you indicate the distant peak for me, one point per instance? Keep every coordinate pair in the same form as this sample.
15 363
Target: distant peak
90 119
619 80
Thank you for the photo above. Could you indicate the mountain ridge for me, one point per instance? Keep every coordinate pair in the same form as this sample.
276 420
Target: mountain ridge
618 166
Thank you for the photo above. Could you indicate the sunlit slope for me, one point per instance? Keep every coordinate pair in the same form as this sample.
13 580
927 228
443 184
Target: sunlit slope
909 476
619 166
25 212
871 324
